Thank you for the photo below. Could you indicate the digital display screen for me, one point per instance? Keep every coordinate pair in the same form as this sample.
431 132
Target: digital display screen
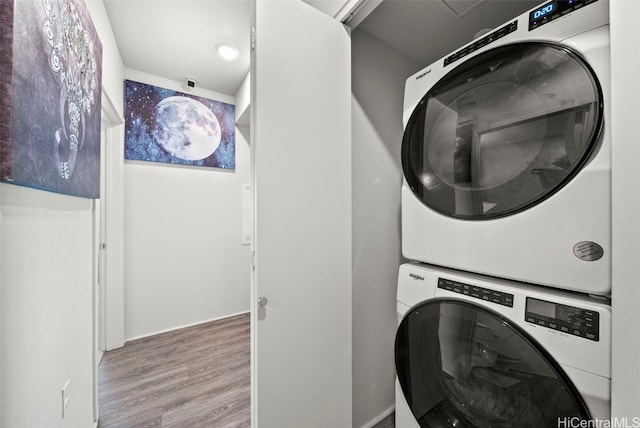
564 318
543 11
540 307
554 9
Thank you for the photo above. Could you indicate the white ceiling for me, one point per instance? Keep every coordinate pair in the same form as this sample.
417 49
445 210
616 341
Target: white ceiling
176 39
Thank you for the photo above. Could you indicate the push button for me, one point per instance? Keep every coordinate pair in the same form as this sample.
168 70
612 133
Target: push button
476 292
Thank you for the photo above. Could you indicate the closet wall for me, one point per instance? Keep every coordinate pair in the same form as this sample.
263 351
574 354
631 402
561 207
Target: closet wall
378 76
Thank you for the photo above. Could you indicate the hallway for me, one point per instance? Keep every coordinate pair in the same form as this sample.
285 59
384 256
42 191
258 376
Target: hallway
193 377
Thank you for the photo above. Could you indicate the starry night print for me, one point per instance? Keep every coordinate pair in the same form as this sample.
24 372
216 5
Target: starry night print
168 126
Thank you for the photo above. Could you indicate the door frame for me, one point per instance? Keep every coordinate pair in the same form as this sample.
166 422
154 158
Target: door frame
108 319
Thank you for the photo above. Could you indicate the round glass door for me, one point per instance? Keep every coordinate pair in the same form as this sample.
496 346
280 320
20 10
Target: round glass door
503 131
462 365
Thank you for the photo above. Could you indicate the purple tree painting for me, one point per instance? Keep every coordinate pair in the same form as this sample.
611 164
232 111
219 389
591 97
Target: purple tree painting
51 96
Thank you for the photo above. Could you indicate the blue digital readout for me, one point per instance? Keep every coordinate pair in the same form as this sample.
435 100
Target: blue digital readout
553 10
544 10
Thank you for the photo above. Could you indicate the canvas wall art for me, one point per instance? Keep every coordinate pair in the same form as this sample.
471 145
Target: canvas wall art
164 125
51 96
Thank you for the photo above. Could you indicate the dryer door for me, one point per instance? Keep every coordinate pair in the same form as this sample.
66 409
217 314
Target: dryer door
462 365
503 131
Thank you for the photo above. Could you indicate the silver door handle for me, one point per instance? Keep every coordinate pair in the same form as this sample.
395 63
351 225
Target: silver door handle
262 301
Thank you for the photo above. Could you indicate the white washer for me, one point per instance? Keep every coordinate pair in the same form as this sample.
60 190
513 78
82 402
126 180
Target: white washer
478 352
506 152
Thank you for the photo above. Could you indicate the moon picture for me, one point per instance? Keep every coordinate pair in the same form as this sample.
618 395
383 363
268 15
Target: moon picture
186 128
168 126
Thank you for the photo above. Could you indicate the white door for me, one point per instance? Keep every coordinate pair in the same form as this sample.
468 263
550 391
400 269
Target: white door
301 148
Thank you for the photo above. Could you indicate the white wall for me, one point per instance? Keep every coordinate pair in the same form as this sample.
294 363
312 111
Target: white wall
46 293
243 101
625 137
184 262
46 307
379 73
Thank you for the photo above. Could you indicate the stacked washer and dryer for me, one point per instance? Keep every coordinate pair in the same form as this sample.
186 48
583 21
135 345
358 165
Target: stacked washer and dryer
504 312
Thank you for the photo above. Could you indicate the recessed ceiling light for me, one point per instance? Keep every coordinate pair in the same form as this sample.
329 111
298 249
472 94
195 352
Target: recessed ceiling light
227 51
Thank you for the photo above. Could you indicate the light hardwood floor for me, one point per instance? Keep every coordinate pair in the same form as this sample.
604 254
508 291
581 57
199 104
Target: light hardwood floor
196 377
388 422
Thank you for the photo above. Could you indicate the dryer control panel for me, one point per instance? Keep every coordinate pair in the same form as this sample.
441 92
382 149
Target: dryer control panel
554 10
482 42
567 319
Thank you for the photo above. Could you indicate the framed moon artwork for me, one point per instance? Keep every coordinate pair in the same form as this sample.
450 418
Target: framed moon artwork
164 125
50 96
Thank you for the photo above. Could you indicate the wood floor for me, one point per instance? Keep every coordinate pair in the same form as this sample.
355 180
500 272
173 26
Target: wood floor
196 377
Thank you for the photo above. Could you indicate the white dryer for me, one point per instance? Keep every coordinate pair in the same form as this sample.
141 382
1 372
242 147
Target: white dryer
506 152
478 352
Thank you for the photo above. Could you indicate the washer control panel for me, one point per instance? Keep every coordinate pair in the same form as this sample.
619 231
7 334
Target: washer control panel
499 297
567 319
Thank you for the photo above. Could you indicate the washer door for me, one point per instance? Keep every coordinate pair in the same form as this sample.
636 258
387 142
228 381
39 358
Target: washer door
462 365
503 131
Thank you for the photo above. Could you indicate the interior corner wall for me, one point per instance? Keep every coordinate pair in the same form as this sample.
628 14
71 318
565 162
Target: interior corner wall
379 73
46 301
113 67
184 259
113 100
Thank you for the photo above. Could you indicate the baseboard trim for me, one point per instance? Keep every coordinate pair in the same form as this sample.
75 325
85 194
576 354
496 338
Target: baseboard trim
132 339
379 418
